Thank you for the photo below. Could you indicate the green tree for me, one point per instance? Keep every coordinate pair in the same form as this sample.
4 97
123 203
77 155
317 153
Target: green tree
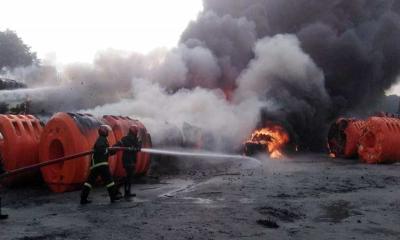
14 52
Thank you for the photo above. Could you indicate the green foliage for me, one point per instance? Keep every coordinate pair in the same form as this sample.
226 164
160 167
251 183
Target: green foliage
3 108
14 52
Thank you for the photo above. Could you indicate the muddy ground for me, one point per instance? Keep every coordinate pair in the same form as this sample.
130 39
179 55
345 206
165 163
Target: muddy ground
310 197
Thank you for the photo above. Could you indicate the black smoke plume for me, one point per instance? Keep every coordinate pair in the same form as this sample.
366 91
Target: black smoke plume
301 63
353 43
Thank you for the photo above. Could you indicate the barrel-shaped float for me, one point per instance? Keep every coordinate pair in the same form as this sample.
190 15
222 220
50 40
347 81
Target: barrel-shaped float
120 126
343 137
380 141
19 142
67 134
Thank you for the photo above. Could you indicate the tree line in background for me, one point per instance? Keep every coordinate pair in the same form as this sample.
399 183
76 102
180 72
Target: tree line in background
14 52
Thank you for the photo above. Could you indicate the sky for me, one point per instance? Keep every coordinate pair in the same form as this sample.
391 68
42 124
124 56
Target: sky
66 31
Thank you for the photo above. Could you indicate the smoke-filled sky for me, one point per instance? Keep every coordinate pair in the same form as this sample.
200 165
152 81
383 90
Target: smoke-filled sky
73 30
238 65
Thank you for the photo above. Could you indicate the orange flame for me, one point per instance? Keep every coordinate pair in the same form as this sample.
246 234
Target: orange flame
228 91
274 137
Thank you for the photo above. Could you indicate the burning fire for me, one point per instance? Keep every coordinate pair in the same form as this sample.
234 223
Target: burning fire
273 138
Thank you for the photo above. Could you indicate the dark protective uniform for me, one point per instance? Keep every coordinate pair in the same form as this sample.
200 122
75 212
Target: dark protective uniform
99 167
2 216
129 158
1 165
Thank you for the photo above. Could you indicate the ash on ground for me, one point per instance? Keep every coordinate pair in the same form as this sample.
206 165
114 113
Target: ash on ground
310 197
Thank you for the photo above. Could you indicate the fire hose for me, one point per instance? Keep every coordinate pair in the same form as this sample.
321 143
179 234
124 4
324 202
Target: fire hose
43 164
146 150
54 161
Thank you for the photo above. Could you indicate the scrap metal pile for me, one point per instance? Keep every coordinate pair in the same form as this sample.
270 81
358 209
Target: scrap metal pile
375 140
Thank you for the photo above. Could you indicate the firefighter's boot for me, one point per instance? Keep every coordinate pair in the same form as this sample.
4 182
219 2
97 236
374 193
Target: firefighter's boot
113 193
128 194
2 216
85 194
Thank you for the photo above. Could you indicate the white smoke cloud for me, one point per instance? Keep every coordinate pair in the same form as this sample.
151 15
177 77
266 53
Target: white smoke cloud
281 65
186 67
229 123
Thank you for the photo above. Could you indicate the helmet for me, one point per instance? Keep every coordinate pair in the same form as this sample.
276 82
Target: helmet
133 130
104 129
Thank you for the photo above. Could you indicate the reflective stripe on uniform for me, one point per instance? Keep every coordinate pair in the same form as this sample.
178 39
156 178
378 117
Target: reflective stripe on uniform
99 164
88 185
110 184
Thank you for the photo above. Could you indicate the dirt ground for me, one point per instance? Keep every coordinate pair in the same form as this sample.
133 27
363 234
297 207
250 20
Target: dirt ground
308 197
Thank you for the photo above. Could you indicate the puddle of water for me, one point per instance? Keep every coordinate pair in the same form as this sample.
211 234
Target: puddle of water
246 200
176 186
199 200
336 212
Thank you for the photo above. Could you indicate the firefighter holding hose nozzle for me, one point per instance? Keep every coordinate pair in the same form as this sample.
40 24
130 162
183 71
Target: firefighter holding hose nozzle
134 145
99 167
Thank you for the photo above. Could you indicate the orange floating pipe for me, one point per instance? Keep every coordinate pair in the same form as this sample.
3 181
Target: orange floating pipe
344 136
120 126
380 141
68 134
19 143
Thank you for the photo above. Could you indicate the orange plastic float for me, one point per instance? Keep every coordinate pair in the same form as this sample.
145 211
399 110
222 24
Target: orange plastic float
381 140
343 137
67 134
120 126
19 142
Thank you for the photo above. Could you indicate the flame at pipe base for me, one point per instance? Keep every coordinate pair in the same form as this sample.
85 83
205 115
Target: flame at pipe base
271 139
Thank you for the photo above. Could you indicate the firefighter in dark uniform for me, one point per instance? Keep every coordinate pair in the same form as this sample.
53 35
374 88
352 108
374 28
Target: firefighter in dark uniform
132 142
99 167
2 171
